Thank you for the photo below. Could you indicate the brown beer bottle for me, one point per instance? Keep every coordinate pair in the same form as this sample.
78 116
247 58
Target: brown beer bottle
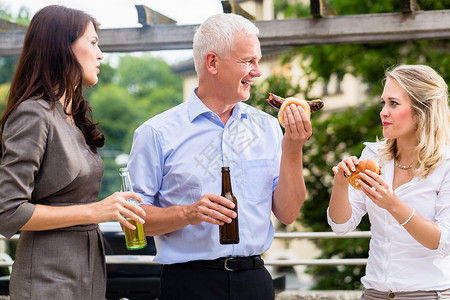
229 232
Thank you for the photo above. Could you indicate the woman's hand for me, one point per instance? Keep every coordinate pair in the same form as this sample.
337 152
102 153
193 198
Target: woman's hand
378 190
345 167
340 209
116 207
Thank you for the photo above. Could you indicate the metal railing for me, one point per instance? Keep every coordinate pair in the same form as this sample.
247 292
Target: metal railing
148 259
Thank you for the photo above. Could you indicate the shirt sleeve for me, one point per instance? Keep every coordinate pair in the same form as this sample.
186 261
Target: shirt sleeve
24 141
443 213
146 163
358 205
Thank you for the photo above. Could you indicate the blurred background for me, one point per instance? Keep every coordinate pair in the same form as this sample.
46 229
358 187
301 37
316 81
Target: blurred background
134 87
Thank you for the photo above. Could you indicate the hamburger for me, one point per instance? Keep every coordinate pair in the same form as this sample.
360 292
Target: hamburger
362 166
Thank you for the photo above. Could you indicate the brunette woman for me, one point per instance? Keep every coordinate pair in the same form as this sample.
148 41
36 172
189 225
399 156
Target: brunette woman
51 171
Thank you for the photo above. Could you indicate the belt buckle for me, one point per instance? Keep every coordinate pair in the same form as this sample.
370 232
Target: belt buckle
225 264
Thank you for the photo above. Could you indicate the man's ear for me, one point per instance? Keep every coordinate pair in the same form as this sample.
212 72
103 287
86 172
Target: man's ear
211 61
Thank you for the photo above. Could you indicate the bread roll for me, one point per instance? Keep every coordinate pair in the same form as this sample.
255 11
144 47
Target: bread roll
296 101
365 164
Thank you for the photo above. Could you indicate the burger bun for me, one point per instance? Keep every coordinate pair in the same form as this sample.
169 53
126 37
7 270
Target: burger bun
362 166
296 101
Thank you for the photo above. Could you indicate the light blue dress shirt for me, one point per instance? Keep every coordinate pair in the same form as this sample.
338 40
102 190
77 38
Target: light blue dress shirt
177 157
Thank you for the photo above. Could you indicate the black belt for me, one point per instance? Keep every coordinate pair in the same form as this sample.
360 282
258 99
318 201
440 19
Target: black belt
228 263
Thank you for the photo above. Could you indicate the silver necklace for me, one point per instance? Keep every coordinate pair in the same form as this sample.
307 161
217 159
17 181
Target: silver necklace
402 166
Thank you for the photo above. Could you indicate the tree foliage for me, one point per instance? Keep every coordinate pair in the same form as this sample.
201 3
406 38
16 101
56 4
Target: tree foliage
126 96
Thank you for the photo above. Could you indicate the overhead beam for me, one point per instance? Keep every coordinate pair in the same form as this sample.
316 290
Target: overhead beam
351 29
344 29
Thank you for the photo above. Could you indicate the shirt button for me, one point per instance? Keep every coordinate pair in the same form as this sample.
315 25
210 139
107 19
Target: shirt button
391 295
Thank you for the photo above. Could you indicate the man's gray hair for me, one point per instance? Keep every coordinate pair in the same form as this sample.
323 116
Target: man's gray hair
216 35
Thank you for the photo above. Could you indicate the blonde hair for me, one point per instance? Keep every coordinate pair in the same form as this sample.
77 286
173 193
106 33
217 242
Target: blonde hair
216 35
428 93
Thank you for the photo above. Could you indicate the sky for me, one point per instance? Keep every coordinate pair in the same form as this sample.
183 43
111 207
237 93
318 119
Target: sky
122 13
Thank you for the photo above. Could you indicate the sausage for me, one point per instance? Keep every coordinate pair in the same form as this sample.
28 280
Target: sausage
276 102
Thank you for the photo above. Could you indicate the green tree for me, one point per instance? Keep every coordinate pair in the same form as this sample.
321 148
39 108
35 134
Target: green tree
7 68
22 17
150 77
125 97
119 114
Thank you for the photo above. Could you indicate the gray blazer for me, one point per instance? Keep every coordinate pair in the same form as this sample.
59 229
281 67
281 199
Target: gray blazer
45 160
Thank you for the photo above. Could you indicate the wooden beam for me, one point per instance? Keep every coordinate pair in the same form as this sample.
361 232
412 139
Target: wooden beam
149 17
409 6
345 29
233 7
350 29
320 9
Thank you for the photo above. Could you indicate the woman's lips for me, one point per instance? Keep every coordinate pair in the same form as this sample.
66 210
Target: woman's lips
386 124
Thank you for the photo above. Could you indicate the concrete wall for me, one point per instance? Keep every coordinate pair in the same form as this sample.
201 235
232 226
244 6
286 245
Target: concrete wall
318 295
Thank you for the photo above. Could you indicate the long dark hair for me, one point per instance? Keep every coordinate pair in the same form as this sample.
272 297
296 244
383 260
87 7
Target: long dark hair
48 69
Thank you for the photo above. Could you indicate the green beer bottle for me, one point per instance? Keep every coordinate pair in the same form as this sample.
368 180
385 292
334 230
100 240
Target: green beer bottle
135 239
229 232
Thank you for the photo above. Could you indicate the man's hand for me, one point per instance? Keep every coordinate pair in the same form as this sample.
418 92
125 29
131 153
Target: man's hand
210 208
297 129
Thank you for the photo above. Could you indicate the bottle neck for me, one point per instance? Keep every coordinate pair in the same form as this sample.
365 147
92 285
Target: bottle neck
226 182
126 181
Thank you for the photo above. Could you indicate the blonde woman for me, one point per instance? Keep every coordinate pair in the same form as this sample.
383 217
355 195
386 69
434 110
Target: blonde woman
409 203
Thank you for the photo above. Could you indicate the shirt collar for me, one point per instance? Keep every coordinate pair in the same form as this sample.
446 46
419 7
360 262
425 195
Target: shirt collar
374 147
196 108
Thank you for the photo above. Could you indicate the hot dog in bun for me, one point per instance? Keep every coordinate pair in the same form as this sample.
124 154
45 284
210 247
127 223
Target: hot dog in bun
281 104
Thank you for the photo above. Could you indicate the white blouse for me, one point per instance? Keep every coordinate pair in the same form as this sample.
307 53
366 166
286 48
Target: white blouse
397 262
